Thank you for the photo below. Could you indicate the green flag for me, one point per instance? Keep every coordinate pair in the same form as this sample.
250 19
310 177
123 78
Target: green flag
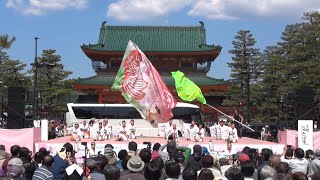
187 90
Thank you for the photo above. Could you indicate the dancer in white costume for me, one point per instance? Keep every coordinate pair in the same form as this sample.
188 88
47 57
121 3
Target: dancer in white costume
233 134
99 132
168 129
222 131
124 132
200 134
84 126
132 130
107 129
192 131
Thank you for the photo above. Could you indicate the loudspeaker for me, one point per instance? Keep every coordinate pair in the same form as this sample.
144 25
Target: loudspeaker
16 107
90 99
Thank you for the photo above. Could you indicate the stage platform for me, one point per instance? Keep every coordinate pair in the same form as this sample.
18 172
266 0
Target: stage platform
219 145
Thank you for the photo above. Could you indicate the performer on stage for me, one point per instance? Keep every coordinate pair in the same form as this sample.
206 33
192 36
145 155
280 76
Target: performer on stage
99 132
123 134
107 129
174 133
222 131
192 131
200 133
168 129
132 130
92 129
84 125
265 133
233 134
239 118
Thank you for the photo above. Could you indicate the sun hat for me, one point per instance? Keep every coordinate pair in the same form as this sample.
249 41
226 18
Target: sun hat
15 171
135 164
15 162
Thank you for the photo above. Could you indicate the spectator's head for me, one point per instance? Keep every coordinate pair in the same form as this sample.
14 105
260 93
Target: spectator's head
207 161
92 164
15 162
108 150
145 155
159 162
189 174
309 154
197 150
122 154
29 169
24 152
282 167
246 150
38 157
125 162
152 171
205 174
102 160
299 153
132 146
179 157
281 176
315 176
156 146
172 149
243 158
15 149
135 164
2 147
48 161
247 169
111 172
289 153
68 147
93 145
274 160
267 172
44 151
299 176
266 153
172 169
15 172
223 162
234 173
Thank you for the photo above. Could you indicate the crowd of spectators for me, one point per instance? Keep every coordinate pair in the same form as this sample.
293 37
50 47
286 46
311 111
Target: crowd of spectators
168 161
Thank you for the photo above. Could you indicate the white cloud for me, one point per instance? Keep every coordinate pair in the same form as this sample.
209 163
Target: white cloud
41 7
125 10
248 9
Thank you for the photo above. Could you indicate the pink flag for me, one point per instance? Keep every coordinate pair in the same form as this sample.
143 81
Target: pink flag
142 86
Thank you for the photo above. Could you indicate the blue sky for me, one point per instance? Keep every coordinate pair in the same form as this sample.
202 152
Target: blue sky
66 24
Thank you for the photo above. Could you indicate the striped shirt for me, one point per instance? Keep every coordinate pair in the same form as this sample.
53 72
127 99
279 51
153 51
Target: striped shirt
42 173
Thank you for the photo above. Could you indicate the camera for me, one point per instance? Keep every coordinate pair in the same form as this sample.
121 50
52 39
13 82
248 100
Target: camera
148 144
84 143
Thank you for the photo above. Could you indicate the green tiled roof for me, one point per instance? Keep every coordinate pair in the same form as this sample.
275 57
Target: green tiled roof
153 38
107 80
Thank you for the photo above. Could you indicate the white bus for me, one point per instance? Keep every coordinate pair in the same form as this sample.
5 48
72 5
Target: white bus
183 113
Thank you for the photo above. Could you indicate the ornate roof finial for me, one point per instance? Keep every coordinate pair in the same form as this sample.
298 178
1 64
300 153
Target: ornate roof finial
103 24
201 23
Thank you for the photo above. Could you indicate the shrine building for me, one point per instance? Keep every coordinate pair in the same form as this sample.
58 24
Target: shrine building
169 48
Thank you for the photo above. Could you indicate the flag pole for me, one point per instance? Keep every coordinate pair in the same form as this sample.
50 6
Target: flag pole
229 117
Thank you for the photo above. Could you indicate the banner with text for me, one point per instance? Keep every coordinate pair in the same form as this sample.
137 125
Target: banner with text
305 134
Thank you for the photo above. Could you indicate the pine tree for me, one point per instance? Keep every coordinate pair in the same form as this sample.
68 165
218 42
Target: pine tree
52 80
245 69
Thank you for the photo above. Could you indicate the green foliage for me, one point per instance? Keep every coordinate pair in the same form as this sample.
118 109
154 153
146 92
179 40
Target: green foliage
245 70
52 80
